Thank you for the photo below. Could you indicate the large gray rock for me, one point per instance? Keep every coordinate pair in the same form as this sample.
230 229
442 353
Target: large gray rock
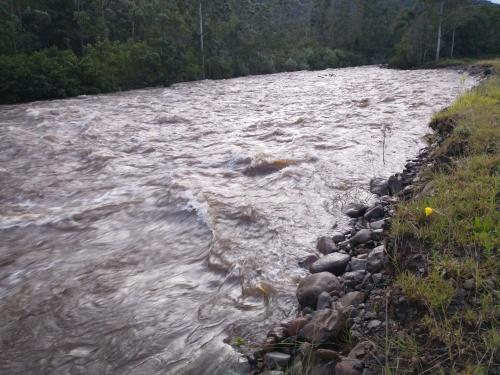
325 325
379 224
355 210
325 245
395 184
335 263
364 235
311 287
376 259
379 186
375 212
357 264
351 299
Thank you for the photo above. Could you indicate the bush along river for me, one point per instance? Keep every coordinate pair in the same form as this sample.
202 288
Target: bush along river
153 231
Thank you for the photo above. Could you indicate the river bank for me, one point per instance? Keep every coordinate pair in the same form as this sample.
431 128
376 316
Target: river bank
413 286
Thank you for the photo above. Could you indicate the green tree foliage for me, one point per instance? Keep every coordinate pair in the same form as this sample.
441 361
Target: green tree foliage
61 48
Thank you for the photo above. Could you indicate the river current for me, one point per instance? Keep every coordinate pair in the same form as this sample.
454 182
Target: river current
144 232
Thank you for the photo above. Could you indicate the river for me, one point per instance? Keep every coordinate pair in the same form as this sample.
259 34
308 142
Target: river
140 232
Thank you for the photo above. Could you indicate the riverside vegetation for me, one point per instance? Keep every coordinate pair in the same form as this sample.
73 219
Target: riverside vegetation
414 286
56 49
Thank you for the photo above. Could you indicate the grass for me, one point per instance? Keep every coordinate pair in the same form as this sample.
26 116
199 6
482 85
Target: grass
459 292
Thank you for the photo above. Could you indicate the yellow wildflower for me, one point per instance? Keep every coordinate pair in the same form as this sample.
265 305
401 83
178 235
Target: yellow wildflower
428 211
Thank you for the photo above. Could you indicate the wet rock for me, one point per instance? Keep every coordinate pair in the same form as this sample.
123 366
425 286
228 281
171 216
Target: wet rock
326 355
335 263
349 367
357 264
351 299
325 325
394 184
379 224
276 359
338 237
361 350
311 287
324 301
375 212
323 369
379 186
325 245
364 235
355 210
295 325
308 261
374 324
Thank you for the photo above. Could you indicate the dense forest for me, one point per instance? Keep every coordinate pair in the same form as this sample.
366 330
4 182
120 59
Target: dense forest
61 48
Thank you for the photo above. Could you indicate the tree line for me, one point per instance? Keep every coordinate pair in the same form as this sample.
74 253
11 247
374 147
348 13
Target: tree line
61 48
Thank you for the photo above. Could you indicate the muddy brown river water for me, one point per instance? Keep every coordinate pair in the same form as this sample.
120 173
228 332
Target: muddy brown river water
139 231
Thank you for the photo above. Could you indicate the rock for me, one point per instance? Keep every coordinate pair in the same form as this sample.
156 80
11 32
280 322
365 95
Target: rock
374 324
295 325
349 367
335 263
376 259
377 278
324 301
469 284
273 372
276 359
325 325
311 287
327 355
355 275
364 235
377 234
361 350
355 210
379 224
325 245
351 299
306 262
322 369
375 212
269 344
379 186
394 184
357 264
338 237
279 332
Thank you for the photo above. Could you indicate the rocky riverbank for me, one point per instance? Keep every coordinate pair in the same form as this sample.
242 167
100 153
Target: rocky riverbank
350 307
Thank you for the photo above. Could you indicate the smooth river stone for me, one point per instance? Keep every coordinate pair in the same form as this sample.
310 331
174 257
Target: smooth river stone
311 287
335 263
